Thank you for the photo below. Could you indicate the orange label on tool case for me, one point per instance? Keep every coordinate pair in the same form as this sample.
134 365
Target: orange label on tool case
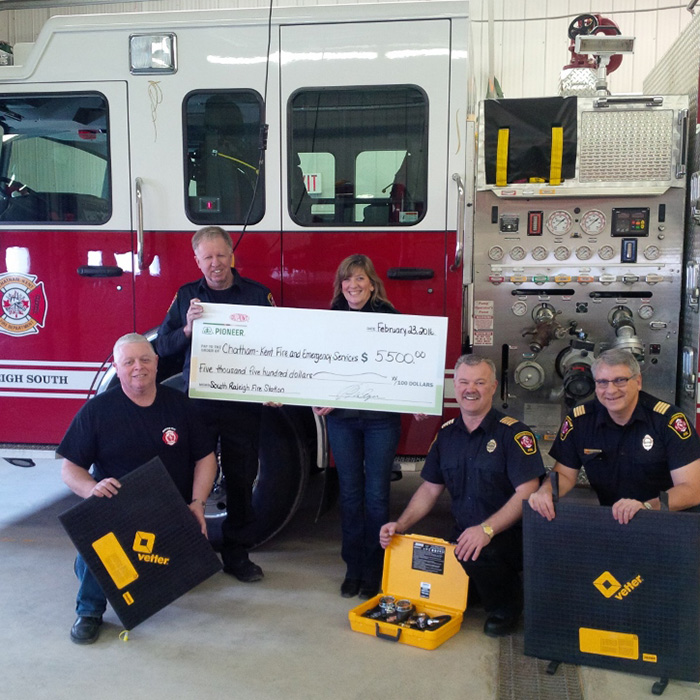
606 643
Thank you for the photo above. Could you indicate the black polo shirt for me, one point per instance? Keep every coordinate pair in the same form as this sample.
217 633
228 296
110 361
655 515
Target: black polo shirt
630 461
482 469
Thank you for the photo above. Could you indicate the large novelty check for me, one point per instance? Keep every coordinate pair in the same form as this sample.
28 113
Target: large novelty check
381 362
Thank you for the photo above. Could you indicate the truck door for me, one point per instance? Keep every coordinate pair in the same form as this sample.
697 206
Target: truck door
66 285
367 124
375 124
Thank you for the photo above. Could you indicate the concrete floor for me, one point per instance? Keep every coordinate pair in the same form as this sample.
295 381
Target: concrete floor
285 637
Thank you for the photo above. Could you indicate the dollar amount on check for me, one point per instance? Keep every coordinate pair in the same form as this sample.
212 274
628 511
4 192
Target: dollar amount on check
344 359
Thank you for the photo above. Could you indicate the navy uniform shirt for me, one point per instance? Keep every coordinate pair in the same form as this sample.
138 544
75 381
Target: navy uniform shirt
630 461
482 469
171 338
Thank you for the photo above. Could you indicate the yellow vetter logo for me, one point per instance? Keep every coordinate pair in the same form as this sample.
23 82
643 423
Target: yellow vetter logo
609 586
143 546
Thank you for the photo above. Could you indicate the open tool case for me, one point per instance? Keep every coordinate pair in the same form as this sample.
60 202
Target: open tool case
424 571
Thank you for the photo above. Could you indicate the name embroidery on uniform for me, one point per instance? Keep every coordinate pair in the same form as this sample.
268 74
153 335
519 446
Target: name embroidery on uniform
647 442
679 425
566 427
170 436
527 442
491 445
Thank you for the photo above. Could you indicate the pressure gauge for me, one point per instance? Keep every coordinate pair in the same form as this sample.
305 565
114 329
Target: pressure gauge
606 252
584 252
519 308
517 252
651 252
561 252
593 222
559 222
646 311
539 252
496 252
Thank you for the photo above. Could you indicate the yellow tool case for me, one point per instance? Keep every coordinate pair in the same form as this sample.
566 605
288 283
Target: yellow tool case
424 594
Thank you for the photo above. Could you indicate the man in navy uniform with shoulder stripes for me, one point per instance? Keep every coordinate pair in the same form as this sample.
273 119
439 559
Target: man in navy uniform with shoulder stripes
632 445
489 463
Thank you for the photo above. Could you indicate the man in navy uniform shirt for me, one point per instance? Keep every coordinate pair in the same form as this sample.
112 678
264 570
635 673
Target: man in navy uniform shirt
632 445
234 423
489 463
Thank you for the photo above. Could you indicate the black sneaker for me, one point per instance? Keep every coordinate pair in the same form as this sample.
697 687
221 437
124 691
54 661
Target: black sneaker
350 587
369 589
500 625
244 570
85 630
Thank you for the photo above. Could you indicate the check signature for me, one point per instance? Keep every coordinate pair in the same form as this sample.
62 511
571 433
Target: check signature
357 391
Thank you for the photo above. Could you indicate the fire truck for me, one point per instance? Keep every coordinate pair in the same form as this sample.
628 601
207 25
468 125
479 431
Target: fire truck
308 133
551 232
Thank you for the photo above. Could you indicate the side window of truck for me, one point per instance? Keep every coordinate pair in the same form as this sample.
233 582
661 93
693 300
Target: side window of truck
224 170
54 159
358 156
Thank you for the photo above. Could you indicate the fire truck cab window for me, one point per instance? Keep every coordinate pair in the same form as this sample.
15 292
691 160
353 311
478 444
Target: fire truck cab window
54 161
358 156
224 168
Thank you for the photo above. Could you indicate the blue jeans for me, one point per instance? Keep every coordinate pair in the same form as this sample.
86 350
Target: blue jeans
364 448
91 600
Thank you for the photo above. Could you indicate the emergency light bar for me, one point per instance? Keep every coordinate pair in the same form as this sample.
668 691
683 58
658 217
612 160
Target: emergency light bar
598 44
152 53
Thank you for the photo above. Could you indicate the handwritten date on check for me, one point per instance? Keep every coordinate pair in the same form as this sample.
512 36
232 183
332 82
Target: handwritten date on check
308 357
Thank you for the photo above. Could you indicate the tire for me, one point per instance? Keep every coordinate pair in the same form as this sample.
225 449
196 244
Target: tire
283 472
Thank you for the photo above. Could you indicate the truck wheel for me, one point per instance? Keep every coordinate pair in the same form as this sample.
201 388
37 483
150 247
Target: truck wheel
283 471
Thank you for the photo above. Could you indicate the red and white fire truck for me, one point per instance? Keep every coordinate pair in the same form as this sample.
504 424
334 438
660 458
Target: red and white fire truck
308 133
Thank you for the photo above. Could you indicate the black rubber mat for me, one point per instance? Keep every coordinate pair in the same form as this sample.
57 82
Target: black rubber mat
621 597
521 677
143 545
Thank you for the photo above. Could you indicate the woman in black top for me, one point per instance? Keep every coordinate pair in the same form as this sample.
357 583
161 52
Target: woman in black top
364 445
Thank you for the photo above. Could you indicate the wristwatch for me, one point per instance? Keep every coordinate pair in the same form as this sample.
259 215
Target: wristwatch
648 505
487 529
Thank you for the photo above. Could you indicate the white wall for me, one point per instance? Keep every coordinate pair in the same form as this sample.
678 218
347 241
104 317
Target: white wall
530 36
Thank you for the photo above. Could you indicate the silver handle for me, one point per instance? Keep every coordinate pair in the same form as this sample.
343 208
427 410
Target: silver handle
692 291
138 185
459 250
689 371
681 169
647 100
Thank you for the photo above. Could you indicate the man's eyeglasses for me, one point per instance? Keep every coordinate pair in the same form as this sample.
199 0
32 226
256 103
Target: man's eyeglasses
618 381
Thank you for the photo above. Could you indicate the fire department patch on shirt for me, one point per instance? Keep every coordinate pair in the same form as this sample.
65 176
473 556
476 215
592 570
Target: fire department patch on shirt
566 427
527 442
679 425
170 436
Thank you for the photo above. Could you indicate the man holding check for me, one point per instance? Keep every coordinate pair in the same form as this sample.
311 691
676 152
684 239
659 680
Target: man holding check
235 424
